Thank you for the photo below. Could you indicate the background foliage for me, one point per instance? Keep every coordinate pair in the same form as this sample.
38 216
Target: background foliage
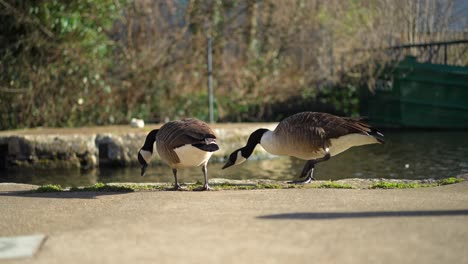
74 63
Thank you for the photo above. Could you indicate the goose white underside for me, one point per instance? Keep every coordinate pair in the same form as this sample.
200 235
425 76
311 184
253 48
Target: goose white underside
337 146
191 156
343 143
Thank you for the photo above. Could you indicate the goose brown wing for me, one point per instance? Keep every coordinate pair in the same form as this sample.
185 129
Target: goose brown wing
303 131
345 125
360 126
312 131
178 133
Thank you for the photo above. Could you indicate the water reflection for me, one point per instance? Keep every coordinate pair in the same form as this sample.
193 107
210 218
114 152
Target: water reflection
406 155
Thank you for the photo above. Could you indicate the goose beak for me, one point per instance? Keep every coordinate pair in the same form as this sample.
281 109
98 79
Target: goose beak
143 163
143 170
228 164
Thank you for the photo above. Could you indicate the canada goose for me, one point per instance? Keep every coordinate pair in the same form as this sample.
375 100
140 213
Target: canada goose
310 136
181 144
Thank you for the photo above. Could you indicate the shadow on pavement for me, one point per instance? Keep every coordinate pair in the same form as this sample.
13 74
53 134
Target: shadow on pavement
341 215
60 195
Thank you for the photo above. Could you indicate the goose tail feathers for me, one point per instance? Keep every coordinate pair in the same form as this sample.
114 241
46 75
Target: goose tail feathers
377 135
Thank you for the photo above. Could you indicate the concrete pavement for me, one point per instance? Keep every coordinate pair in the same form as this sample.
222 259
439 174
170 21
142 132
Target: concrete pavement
425 225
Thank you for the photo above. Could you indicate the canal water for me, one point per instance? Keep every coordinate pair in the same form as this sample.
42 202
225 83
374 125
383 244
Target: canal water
405 155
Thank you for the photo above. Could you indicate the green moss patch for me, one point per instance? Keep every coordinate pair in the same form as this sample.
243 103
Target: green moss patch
334 185
101 187
49 188
403 185
253 186
397 185
451 180
246 185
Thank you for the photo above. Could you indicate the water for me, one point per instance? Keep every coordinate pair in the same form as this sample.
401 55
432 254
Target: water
406 155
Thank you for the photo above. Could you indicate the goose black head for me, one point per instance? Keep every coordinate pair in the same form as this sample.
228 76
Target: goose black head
146 152
144 157
235 158
239 156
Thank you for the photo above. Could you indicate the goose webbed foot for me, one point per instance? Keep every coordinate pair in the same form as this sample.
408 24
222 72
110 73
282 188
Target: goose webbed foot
205 187
307 174
178 187
306 180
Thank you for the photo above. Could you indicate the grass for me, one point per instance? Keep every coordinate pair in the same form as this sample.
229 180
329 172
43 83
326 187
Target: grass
402 185
49 188
103 187
257 186
334 185
451 180
398 185
99 187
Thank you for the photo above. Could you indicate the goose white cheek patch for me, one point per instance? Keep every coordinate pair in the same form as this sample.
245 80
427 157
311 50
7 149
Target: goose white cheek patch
239 158
147 155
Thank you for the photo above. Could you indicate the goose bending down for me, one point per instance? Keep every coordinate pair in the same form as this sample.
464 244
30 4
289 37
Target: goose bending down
181 144
310 136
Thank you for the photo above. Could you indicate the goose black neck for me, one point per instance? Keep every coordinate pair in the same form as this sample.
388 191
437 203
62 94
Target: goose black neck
149 141
253 140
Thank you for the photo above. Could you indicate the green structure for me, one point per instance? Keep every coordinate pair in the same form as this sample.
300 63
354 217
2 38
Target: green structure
419 95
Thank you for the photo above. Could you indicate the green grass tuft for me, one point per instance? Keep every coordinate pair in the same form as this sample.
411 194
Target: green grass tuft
230 186
334 185
450 180
246 186
102 187
271 186
138 187
49 188
402 185
396 185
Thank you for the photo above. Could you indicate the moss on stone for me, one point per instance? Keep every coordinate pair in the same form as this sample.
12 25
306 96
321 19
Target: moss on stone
397 185
102 187
450 180
334 185
49 188
133 187
403 185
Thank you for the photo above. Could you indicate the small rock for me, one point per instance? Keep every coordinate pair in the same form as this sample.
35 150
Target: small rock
138 123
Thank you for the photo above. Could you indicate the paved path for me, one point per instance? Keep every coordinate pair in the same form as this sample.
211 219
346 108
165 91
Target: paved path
427 225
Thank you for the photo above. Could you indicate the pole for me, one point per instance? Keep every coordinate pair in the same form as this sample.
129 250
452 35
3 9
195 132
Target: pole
445 54
210 82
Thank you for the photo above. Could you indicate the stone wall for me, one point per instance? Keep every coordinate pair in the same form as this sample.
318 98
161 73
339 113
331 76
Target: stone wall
90 150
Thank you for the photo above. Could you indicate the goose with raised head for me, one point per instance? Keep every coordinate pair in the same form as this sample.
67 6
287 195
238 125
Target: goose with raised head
181 144
310 136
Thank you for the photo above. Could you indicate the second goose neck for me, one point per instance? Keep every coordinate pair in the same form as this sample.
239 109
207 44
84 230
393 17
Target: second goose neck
149 141
253 140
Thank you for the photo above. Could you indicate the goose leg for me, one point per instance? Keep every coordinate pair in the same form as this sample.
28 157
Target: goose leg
309 166
177 186
206 187
307 173
324 158
308 170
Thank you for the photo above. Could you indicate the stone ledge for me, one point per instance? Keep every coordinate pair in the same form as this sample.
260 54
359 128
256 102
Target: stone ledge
82 148
218 184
